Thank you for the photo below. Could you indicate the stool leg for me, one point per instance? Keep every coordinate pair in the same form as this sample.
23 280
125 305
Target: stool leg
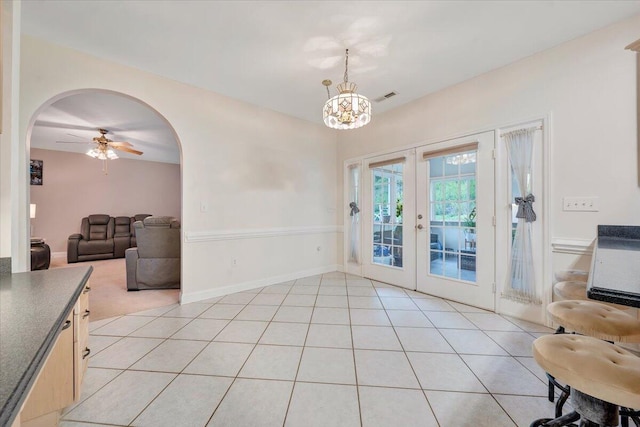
566 390
626 414
565 420
561 401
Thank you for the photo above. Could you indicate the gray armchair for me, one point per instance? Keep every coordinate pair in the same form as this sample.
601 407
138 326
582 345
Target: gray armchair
95 240
155 262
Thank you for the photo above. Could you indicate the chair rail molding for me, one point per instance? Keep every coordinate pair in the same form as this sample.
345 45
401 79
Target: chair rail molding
572 246
257 233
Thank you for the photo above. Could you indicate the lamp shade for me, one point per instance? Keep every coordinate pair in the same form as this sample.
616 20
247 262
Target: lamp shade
348 110
32 210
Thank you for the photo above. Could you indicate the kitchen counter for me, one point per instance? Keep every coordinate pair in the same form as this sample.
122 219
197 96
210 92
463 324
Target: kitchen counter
33 309
615 265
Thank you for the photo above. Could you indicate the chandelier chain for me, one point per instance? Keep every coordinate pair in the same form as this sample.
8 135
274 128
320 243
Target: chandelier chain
346 67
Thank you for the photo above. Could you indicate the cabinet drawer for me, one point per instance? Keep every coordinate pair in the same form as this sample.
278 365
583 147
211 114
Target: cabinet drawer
82 351
81 311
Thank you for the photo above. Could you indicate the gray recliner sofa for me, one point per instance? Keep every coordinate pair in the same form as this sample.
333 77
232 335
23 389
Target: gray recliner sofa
155 262
102 237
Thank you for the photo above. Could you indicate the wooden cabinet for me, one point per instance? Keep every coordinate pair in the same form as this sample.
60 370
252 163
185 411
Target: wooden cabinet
59 382
81 341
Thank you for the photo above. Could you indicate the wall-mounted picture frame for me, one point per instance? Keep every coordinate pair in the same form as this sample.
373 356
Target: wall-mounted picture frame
35 168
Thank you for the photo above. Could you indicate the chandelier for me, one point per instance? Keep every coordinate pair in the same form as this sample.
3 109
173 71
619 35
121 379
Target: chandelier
348 109
461 159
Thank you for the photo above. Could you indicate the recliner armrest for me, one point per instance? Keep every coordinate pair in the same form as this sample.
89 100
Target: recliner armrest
72 247
120 245
131 260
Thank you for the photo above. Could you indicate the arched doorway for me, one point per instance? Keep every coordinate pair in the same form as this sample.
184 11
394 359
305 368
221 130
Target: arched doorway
70 185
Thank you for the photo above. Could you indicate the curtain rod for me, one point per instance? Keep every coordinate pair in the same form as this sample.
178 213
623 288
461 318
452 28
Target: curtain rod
539 127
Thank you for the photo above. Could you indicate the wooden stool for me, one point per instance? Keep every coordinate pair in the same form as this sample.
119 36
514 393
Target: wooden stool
571 275
598 320
572 289
577 290
603 376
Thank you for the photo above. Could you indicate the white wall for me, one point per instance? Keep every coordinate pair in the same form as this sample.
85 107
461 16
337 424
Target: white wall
254 169
10 27
586 86
74 186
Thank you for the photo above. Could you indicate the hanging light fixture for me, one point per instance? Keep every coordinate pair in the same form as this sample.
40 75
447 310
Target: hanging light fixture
348 109
461 159
104 153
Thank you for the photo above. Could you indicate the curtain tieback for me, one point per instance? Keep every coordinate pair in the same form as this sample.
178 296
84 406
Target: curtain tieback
354 208
525 208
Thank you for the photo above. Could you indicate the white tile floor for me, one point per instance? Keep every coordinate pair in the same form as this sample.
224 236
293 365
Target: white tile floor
329 350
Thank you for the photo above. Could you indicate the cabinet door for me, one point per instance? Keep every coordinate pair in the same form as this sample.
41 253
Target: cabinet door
53 388
81 350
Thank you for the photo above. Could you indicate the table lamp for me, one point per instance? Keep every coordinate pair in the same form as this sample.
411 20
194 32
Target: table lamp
32 215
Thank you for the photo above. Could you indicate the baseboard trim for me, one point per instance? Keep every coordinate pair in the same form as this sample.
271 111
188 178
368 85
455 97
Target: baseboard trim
253 284
213 236
58 254
572 246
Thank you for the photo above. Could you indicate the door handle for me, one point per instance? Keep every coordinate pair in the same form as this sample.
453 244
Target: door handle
419 226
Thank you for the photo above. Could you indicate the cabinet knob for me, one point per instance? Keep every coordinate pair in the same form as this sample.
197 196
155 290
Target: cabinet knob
86 352
86 314
66 325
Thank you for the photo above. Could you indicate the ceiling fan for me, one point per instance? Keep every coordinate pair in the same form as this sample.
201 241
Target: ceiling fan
104 148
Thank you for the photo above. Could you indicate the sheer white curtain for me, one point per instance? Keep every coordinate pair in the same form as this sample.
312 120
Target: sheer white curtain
521 285
354 206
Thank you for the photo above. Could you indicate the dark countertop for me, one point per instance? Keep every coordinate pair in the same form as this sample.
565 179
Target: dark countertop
33 308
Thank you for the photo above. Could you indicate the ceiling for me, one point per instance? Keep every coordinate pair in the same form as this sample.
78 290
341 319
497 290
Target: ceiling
75 120
275 54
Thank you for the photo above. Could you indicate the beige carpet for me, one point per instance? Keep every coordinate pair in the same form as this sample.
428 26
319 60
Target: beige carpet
109 296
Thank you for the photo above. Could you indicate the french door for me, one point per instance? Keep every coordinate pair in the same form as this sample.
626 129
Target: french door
455 231
428 219
389 219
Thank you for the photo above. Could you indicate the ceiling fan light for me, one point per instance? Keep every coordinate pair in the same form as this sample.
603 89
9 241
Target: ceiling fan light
94 152
111 154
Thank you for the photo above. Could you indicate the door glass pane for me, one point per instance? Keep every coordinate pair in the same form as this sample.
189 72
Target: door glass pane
452 208
387 208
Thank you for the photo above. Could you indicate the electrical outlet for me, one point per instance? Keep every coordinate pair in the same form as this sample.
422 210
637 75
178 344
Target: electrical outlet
580 204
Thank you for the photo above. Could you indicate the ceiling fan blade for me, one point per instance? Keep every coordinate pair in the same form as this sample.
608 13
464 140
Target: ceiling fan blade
73 142
120 144
128 150
48 124
75 136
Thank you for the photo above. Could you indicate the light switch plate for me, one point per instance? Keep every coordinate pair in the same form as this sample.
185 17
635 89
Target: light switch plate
580 204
